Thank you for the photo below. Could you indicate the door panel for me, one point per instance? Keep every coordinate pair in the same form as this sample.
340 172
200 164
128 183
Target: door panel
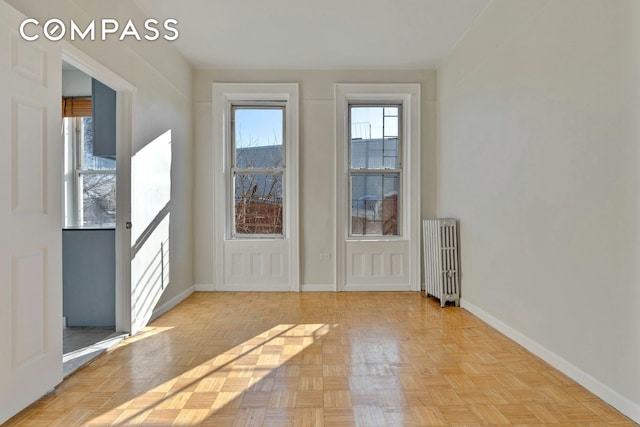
377 265
248 263
28 150
28 294
30 217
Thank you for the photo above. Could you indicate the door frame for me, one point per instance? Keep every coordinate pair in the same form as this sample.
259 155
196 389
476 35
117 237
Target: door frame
125 96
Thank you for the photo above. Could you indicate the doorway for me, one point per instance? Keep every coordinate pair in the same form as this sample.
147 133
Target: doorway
96 108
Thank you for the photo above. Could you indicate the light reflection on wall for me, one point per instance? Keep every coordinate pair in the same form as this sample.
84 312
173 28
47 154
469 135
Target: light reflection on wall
150 214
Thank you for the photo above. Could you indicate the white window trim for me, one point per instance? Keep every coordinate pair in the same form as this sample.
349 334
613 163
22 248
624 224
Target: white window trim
267 171
224 95
407 95
70 211
374 171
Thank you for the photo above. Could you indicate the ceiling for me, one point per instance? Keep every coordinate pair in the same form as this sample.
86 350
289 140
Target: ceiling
320 34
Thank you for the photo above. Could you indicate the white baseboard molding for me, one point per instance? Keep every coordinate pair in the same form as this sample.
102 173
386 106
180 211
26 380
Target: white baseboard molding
252 287
204 288
378 288
318 288
303 288
603 391
162 309
325 287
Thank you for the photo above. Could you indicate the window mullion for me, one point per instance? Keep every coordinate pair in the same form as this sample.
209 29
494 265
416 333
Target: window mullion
374 171
257 171
77 164
96 171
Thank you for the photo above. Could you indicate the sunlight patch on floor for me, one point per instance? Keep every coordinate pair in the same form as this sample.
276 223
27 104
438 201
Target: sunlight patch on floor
223 378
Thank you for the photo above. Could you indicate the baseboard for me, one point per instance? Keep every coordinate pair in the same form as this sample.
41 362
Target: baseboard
378 288
318 288
603 391
162 309
204 288
303 288
327 287
252 287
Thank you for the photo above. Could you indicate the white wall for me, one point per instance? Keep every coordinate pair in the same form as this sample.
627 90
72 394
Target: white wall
162 102
75 83
317 157
538 156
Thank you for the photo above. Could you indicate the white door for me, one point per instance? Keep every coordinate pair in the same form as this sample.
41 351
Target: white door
30 217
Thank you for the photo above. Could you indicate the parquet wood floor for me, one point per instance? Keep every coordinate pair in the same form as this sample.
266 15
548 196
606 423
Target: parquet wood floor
314 359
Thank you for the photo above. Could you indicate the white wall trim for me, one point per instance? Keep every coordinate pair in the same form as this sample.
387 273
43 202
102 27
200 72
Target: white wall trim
330 287
206 287
606 393
93 68
391 287
163 308
255 287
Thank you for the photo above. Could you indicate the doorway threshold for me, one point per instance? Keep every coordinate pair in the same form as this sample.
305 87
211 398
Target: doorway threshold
74 360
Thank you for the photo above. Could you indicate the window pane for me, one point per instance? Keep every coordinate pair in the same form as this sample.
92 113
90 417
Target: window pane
258 203
258 137
89 161
374 204
374 137
98 199
374 153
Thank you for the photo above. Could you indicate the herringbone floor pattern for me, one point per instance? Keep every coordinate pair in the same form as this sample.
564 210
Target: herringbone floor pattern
313 359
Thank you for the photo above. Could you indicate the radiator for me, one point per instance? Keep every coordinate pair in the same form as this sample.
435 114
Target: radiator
441 272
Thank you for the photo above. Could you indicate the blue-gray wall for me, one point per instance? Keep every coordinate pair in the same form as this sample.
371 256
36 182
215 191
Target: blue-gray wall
88 272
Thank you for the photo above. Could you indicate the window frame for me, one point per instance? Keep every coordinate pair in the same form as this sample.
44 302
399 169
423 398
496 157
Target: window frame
375 171
234 170
224 96
407 95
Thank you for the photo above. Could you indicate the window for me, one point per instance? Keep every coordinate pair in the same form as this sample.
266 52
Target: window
377 186
91 180
375 169
258 169
255 186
